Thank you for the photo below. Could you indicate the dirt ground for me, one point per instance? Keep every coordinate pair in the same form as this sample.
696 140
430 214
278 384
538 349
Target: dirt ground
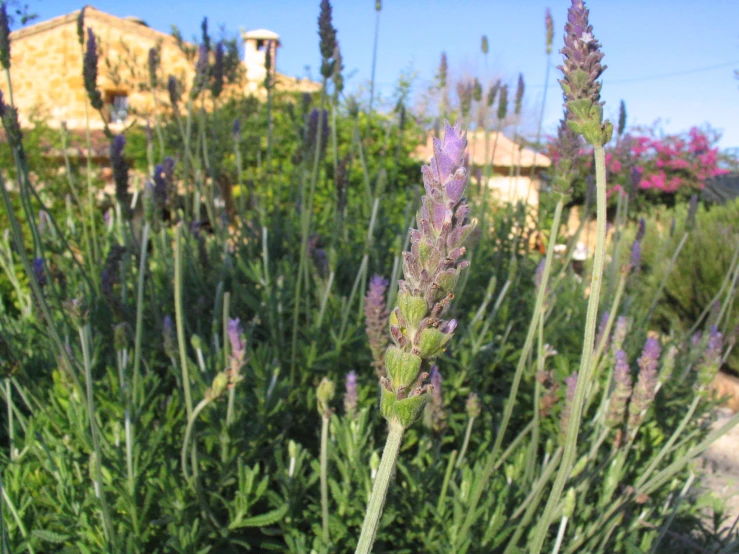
721 462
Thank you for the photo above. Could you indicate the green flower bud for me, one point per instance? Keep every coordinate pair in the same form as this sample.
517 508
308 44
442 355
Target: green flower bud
402 367
433 342
220 382
473 405
325 394
412 308
196 342
292 449
568 506
579 467
404 411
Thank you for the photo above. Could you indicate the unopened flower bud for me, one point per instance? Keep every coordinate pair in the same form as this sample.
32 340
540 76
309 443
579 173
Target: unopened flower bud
325 394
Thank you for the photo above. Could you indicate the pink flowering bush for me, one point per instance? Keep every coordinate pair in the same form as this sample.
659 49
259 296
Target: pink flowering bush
656 169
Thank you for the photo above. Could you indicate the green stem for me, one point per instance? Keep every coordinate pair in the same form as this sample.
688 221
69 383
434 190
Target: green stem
324 476
583 381
379 490
445 484
188 431
466 442
139 311
179 317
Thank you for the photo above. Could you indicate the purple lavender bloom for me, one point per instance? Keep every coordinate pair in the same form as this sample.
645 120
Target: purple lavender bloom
376 316
473 406
164 186
549 24
153 67
621 391
503 102
582 67
38 272
316 119
327 35
236 131
464 91
202 68
641 230
646 385
81 27
4 37
621 119
443 70
566 413
350 397
168 336
237 357
90 71
519 95
173 87
635 258
712 357
216 86
619 333
493 93
120 173
430 270
44 222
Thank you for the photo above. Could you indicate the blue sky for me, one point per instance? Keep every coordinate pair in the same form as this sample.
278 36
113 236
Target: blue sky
669 60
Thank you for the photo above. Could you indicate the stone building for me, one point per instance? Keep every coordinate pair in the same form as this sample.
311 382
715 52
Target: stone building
46 70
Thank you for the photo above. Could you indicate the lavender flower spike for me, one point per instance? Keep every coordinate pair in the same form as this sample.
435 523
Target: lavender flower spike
646 385
238 350
581 70
430 270
350 398
566 413
621 391
376 316
434 414
90 71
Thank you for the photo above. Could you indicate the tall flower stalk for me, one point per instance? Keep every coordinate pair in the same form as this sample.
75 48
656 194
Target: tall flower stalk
419 332
582 67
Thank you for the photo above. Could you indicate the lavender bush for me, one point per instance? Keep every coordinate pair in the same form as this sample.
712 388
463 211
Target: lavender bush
170 370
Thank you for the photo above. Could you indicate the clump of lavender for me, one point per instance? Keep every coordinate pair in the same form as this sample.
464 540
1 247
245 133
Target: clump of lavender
120 174
646 385
376 318
431 270
4 37
90 71
582 67
621 391
566 413
350 396
434 417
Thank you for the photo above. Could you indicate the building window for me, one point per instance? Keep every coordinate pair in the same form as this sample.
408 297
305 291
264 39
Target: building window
261 45
117 105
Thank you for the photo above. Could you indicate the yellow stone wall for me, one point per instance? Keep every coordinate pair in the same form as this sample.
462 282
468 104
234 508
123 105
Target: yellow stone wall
46 70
